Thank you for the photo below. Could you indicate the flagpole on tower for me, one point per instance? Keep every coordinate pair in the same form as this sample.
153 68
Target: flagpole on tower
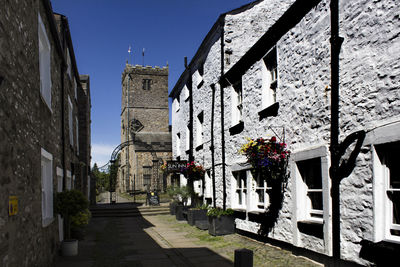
143 57
130 55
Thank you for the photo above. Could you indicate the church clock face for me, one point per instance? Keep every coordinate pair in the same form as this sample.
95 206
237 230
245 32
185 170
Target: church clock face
136 125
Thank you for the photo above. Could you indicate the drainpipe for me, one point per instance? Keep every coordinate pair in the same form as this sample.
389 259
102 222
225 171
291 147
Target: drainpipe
336 42
212 143
62 71
222 119
190 88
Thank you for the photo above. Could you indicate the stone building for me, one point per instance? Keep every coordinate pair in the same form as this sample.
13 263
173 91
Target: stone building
263 70
144 123
41 130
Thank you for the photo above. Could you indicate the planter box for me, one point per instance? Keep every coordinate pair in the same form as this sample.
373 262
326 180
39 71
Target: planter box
202 224
224 225
194 215
69 247
172 208
180 212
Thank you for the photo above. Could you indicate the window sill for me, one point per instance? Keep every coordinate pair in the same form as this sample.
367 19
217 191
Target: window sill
200 84
257 211
199 147
236 129
271 111
187 99
239 209
312 227
187 152
46 222
380 252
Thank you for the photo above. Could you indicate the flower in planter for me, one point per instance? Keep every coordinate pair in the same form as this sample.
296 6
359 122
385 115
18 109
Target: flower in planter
194 170
163 167
268 156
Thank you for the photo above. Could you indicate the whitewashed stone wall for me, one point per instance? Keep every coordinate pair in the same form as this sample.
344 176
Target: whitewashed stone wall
369 97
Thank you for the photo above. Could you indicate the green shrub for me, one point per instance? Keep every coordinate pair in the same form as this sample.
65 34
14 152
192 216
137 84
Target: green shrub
217 212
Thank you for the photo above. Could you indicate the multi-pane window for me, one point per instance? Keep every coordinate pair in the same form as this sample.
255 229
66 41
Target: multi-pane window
241 189
44 63
237 102
178 144
187 138
70 122
47 187
310 172
262 193
146 175
199 130
269 78
390 174
146 84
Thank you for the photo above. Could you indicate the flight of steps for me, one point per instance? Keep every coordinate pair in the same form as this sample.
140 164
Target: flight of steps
127 210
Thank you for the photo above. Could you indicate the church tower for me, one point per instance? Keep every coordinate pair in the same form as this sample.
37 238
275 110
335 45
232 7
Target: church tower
144 123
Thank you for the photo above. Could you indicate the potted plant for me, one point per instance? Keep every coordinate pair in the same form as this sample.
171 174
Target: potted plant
198 213
183 195
69 204
221 222
78 223
172 192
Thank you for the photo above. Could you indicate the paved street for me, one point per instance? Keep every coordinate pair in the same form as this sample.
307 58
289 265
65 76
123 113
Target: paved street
151 237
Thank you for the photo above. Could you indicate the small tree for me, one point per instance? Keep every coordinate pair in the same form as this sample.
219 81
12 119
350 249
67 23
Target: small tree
70 203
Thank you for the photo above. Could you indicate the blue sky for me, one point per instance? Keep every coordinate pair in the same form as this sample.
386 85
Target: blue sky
102 31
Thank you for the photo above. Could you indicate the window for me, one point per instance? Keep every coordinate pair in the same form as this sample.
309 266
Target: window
178 144
237 103
75 88
77 135
269 78
47 187
187 138
146 175
240 201
44 63
60 189
70 122
199 129
310 172
261 200
69 63
387 174
69 181
208 184
146 84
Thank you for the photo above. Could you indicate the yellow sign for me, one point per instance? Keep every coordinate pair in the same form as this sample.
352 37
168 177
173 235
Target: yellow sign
12 205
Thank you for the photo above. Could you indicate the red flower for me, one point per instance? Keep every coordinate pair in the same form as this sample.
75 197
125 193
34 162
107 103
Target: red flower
273 139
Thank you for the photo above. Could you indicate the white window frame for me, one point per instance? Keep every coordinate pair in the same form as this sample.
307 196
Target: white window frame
69 181
47 187
70 121
269 76
255 204
208 184
187 140
237 102
75 88
240 189
199 128
178 144
382 208
301 207
44 63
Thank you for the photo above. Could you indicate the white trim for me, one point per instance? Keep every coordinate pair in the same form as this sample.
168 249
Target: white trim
47 184
299 190
44 63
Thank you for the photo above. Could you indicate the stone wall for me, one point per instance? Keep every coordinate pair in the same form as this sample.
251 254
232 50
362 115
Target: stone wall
28 125
369 98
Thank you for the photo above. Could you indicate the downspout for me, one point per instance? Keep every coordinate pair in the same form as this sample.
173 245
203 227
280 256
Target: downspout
190 88
336 42
222 117
62 70
212 148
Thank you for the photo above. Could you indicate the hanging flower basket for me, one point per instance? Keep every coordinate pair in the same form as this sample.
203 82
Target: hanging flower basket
194 170
267 156
163 167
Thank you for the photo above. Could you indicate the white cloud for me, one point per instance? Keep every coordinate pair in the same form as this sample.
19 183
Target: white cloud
101 153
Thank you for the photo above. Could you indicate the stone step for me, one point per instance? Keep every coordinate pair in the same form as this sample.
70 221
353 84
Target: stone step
127 210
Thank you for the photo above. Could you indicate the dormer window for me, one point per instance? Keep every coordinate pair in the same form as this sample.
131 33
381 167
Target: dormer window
269 78
237 103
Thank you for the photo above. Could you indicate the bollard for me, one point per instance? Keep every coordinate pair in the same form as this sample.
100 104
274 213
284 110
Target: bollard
243 257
